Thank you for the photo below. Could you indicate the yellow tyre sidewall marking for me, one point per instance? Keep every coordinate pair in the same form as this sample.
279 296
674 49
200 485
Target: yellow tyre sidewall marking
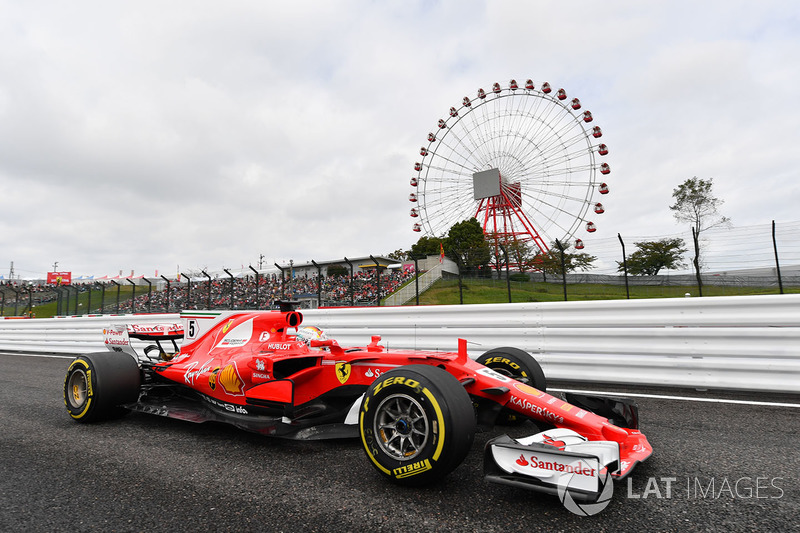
89 392
439 418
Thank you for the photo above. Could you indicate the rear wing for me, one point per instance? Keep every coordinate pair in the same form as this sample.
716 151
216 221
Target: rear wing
117 338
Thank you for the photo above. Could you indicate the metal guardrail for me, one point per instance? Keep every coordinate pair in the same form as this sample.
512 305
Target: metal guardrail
732 342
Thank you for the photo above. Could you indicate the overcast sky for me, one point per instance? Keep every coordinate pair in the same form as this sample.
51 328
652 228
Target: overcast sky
195 134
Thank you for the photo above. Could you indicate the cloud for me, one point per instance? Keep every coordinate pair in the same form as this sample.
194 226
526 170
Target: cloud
151 135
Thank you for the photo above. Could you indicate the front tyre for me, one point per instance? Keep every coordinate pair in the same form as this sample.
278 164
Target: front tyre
519 365
97 384
417 424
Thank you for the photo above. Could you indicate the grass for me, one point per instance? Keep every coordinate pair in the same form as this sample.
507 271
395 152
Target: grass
482 291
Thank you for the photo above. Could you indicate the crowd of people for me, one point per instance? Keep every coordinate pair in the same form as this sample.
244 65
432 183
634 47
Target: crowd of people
246 292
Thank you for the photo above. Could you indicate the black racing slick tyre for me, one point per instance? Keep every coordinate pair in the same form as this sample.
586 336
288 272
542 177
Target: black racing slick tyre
417 424
97 384
516 364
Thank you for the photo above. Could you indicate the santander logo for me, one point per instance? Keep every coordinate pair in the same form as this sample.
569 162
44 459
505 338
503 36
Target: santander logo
521 461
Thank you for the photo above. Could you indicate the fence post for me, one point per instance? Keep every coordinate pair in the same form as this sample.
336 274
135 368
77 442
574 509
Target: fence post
168 291
149 295
117 284
257 286
77 298
319 283
231 275
378 278
352 294
563 268
624 266
508 278
102 298
777 263
133 296
283 292
416 278
208 296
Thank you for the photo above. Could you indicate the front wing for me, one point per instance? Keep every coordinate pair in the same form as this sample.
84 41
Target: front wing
553 461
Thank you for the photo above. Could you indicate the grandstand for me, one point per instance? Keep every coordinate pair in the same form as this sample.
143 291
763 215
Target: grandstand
372 279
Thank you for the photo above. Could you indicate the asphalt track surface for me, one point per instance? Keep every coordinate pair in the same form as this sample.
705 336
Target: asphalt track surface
734 467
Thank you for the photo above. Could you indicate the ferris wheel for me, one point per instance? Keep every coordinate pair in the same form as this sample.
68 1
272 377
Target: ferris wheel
523 160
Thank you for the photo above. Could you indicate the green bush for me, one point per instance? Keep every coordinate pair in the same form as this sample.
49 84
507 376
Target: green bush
338 270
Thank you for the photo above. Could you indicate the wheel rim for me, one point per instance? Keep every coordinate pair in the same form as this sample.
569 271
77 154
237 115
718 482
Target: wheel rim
402 427
77 389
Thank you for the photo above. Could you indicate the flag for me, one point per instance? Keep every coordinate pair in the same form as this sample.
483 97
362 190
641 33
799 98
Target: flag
441 252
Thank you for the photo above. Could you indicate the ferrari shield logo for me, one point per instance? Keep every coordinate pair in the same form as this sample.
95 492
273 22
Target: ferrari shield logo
343 372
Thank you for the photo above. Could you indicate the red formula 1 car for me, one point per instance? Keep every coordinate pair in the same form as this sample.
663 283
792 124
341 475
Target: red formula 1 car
416 412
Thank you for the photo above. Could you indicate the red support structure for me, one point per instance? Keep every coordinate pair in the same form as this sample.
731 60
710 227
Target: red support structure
503 216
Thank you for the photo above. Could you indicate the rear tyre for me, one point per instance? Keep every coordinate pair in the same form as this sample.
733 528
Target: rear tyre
417 424
97 384
519 365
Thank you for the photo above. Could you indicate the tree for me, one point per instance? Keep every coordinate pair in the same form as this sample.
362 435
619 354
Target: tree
652 256
338 270
520 253
466 245
696 204
550 262
398 255
425 246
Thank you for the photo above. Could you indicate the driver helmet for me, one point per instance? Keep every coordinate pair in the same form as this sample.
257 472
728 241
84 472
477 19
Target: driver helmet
310 333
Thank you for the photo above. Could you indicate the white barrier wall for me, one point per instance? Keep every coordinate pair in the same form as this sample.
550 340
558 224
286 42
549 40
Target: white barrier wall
736 342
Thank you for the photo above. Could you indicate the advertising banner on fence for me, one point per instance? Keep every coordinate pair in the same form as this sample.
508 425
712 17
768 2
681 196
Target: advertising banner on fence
59 278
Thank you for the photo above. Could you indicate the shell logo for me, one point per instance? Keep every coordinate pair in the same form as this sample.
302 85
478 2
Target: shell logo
527 389
229 380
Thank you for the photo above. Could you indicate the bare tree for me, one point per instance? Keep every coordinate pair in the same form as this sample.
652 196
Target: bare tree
696 204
